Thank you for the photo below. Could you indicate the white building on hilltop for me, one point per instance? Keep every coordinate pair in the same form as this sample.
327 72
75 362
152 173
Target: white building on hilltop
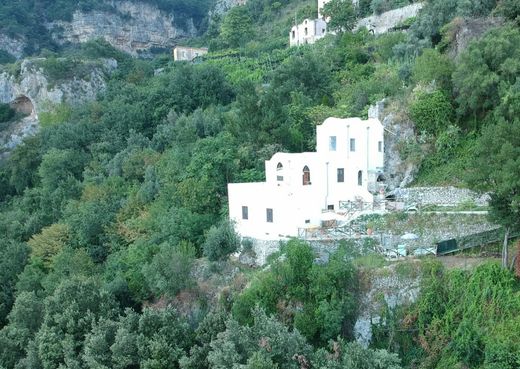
307 32
305 189
310 30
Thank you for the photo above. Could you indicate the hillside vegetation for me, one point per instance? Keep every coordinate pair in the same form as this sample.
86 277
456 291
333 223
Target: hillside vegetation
114 243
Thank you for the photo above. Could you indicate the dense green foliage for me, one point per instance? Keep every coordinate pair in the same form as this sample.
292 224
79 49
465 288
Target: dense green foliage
319 300
113 226
341 14
462 319
6 113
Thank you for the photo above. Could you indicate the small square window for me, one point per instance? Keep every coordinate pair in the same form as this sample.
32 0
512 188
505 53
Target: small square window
245 212
307 221
332 143
352 144
380 146
330 207
269 215
341 175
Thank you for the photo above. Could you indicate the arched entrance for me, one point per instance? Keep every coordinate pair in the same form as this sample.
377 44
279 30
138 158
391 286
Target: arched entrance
23 105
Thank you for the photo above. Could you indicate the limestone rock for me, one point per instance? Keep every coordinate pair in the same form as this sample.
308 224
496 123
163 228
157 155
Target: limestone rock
386 289
398 173
13 46
30 92
222 6
133 27
463 31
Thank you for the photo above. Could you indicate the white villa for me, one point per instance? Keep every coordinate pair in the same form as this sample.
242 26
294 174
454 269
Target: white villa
306 189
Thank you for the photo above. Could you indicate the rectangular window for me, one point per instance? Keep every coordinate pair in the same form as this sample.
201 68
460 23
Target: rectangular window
332 143
341 175
245 212
279 178
380 146
293 34
269 215
352 144
306 32
307 221
330 207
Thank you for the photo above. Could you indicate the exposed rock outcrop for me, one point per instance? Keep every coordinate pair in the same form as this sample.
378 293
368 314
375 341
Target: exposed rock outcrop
133 27
398 172
222 6
31 92
385 290
13 46
383 22
462 31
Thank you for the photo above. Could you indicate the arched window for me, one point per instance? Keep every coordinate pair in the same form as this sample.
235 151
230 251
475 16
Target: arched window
279 172
306 176
360 178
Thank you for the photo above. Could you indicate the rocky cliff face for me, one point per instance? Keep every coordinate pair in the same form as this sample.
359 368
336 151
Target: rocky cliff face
133 27
31 92
222 6
463 31
12 45
385 290
398 172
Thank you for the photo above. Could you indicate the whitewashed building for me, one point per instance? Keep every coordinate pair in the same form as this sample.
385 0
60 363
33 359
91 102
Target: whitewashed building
184 53
310 30
307 32
303 190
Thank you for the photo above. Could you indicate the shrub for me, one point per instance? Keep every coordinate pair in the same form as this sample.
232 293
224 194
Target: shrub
221 241
431 112
6 113
433 66
169 271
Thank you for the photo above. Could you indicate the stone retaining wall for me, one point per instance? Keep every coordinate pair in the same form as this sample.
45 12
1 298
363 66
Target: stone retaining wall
449 196
383 22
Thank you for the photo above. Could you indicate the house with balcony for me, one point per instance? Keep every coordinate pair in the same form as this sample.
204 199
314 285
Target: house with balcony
304 190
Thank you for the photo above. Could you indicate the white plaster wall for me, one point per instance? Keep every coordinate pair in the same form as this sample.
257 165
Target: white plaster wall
296 205
258 197
188 53
367 134
316 29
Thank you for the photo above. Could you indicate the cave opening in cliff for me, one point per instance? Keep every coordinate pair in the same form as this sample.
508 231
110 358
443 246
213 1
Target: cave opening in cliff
23 105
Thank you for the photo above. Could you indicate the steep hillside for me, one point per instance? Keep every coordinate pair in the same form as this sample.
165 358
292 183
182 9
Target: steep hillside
115 245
